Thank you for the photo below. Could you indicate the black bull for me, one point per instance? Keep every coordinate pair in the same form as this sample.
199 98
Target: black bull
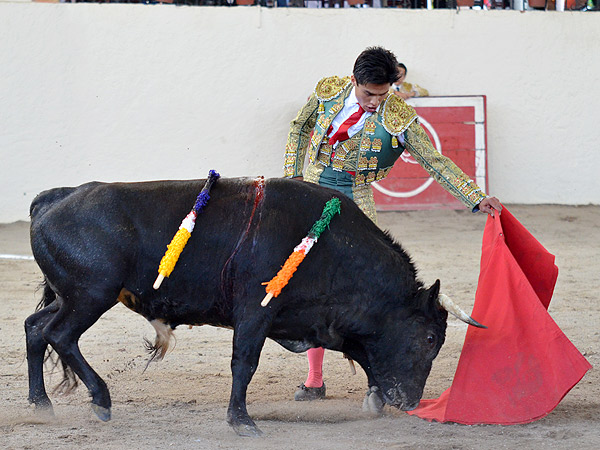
356 291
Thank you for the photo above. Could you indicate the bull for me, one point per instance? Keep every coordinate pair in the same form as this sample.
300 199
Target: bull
357 292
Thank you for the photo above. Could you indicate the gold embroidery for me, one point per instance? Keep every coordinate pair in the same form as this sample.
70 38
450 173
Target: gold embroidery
363 197
370 177
337 107
365 144
382 173
299 137
323 122
376 145
337 164
359 180
373 163
290 158
396 115
321 109
349 145
313 173
363 164
325 154
330 87
323 158
340 157
292 143
316 139
369 126
312 154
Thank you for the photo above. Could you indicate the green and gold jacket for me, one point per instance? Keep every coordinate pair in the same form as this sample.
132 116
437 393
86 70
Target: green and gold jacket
371 153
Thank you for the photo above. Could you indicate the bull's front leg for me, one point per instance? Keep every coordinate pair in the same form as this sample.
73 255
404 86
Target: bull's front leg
373 402
248 340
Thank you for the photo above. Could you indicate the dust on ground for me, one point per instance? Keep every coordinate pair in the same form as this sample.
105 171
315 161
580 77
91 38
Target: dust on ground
182 401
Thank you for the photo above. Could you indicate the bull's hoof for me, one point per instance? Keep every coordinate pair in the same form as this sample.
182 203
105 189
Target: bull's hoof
41 402
102 413
44 410
246 430
242 424
373 403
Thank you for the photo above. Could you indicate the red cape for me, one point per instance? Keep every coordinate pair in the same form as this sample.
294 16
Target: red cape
521 367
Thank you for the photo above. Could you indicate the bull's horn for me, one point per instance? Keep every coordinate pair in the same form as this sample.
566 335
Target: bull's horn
446 303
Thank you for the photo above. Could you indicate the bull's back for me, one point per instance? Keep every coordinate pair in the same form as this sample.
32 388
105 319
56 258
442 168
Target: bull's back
119 231
113 235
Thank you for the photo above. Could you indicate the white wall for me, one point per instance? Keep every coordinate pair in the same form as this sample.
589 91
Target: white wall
138 92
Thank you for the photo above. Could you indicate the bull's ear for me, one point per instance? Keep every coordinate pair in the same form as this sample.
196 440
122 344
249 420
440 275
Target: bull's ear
433 293
428 298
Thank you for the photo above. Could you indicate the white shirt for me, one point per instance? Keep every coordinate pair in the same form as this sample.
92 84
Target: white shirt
350 107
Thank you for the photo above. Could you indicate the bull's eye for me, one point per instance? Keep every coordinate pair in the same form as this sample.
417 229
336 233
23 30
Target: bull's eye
431 340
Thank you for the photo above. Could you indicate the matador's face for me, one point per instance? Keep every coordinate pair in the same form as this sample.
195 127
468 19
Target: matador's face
370 95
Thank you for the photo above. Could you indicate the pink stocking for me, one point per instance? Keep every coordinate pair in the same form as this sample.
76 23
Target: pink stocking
315 367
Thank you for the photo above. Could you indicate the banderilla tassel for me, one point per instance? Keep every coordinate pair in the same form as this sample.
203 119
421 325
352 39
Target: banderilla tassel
274 287
174 249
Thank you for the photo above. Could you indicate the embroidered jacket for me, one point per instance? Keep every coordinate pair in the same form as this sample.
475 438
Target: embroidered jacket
371 153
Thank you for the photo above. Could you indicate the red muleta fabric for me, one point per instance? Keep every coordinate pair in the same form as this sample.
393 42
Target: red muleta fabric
520 367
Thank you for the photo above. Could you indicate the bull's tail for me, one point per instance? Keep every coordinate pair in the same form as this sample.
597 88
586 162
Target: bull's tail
48 296
69 381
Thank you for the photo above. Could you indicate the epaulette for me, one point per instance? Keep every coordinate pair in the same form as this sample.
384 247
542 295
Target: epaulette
330 87
396 115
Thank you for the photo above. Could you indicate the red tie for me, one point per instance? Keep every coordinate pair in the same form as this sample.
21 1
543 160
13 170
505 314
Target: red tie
342 133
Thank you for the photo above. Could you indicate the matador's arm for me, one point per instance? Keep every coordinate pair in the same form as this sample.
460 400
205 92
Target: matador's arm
442 169
299 137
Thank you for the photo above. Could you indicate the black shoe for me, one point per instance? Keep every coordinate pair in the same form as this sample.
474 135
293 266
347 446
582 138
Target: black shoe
309 393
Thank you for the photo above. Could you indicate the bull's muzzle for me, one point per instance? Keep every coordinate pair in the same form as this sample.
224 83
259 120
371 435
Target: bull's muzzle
397 398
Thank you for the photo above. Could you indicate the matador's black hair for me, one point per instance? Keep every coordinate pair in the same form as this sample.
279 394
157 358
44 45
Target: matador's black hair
376 65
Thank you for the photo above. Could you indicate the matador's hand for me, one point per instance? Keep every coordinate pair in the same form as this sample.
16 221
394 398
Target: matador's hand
489 205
